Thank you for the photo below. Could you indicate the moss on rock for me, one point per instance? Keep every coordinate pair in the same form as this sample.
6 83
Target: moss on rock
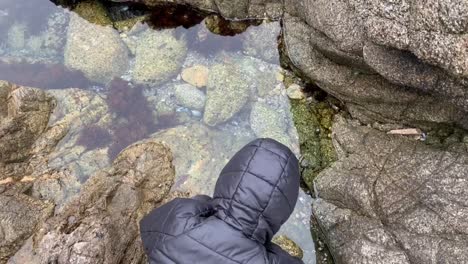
289 246
94 12
313 122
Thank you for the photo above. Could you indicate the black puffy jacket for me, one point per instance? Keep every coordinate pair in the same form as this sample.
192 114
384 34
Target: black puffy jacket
255 194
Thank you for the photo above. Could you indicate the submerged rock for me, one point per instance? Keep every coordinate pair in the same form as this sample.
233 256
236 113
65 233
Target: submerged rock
96 50
269 122
190 96
101 224
196 75
158 56
390 199
200 152
262 41
227 92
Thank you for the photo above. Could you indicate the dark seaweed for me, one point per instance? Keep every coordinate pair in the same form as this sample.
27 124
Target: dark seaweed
172 16
94 137
134 120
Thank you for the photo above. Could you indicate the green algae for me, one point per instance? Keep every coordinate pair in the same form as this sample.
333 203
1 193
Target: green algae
127 24
94 12
313 122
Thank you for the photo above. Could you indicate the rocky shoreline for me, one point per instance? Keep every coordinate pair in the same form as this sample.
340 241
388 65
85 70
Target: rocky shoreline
380 195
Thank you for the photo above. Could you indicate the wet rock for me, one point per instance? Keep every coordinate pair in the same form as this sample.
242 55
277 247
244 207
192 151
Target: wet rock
101 224
261 41
220 26
158 56
289 246
261 75
268 122
200 153
94 12
390 199
95 50
76 111
25 115
196 75
20 217
313 122
227 93
294 91
190 96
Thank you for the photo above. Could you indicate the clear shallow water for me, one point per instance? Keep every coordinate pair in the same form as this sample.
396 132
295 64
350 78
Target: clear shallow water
203 94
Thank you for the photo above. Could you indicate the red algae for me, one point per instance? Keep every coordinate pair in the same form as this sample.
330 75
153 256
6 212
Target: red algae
44 76
94 137
134 120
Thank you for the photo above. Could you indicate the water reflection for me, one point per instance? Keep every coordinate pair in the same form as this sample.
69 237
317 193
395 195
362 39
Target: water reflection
204 94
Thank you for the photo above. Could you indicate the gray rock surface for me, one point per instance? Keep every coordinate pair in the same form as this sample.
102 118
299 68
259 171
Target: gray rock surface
261 41
417 46
390 199
369 97
190 97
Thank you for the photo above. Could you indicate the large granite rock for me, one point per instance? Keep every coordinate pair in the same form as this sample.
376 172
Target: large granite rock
390 199
97 51
415 50
24 115
101 224
158 56
369 96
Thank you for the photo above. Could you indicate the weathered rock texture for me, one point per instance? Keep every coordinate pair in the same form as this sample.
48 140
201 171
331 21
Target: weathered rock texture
389 199
19 217
101 224
24 114
392 61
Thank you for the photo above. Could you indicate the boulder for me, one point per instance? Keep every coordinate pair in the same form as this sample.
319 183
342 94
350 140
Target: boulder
262 41
97 51
101 224
190 97
227 93
158 56
268 122
392 199
369 96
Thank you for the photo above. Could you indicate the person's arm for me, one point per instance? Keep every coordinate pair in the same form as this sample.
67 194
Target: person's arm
276 255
